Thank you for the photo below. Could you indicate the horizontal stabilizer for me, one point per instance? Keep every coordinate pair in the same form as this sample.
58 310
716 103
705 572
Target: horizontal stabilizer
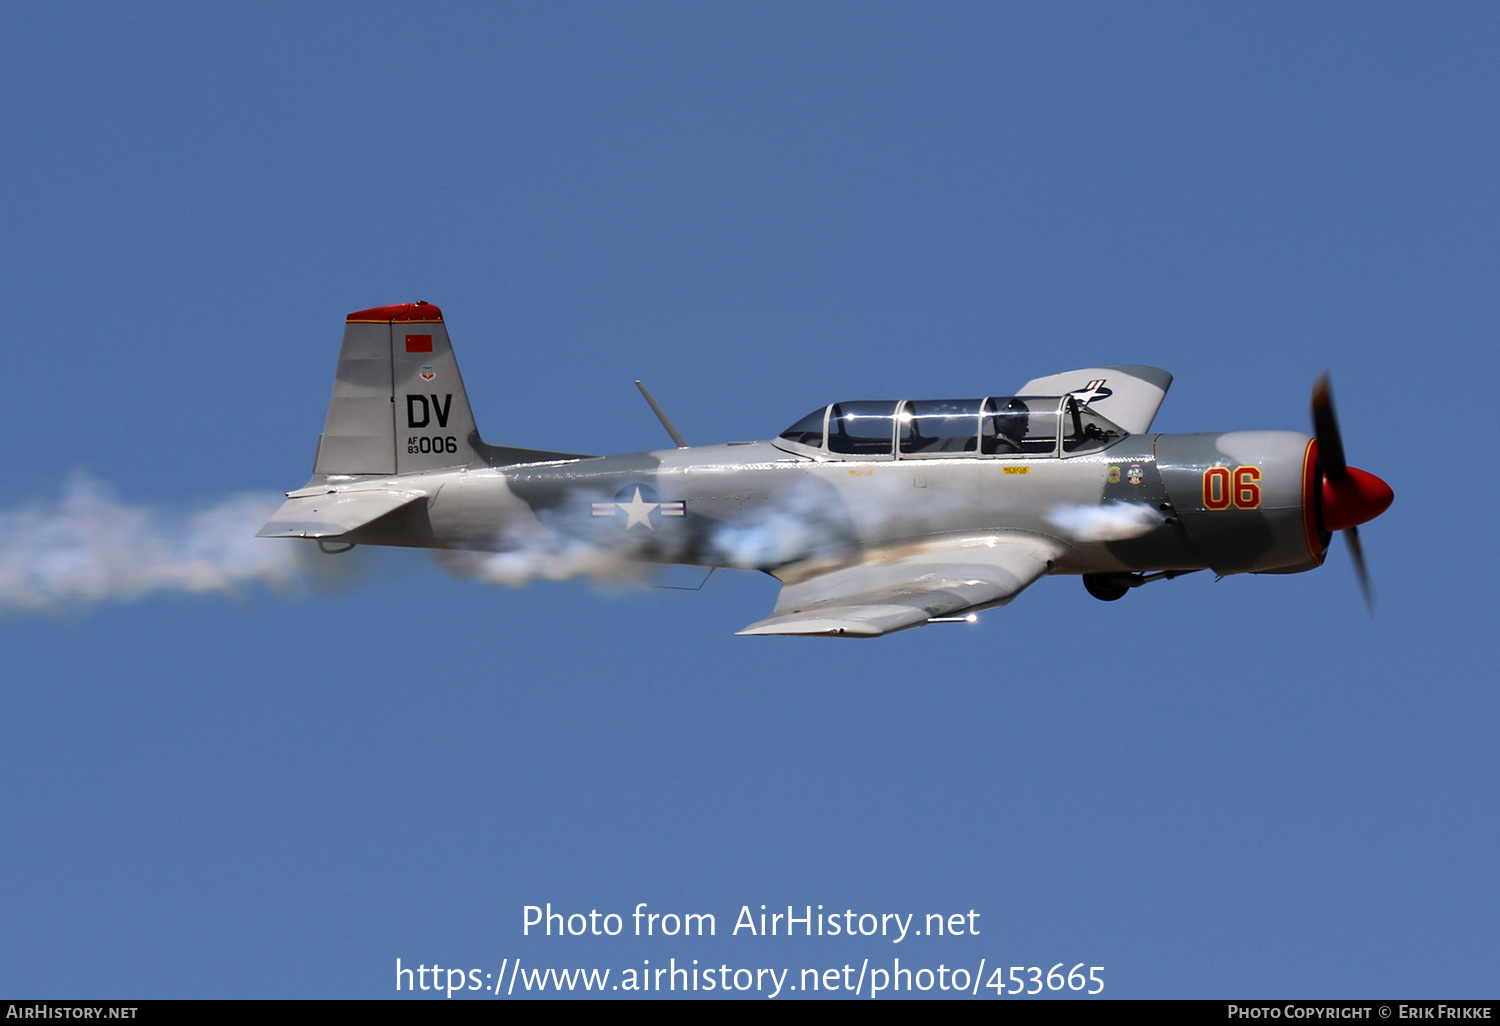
1129 395
890 591
327 513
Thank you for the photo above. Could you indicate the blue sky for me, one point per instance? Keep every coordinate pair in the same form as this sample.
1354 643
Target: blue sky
1248 787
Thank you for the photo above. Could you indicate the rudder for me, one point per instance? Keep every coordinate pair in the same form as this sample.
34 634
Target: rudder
398 405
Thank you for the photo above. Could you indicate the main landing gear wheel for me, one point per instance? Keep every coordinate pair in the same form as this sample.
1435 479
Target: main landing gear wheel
1107 587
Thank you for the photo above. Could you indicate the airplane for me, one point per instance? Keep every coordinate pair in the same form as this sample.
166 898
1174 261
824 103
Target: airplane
876 516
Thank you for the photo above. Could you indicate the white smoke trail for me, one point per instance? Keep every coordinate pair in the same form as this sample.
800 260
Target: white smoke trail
1113 521
88 547
535 553
798 525
567 542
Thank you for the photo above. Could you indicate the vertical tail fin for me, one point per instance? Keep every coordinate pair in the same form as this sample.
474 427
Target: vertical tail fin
399 405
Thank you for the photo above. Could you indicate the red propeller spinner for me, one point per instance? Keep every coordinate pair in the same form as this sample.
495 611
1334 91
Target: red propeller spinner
1356 498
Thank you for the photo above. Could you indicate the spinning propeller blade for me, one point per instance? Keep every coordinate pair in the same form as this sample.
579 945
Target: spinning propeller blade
1350 496
1326 428
1357 553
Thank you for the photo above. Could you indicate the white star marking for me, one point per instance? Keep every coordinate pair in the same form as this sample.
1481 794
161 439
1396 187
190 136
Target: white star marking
1092 392
638 511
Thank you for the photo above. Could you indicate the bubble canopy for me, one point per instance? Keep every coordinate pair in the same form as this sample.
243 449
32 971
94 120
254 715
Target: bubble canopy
1005 426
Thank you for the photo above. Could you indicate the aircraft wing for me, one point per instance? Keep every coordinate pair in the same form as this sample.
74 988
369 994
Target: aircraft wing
1129 394
889 590
321 513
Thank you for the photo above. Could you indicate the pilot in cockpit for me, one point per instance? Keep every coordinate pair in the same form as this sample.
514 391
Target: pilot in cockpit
1010 426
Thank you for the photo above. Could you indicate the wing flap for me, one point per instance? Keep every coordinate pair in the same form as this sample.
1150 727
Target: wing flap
892 590
1129 394
329 514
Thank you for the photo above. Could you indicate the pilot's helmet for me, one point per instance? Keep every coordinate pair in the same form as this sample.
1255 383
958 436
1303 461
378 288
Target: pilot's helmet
1013 418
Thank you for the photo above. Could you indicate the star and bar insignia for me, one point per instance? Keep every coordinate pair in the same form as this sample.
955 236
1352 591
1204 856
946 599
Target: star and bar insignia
638 503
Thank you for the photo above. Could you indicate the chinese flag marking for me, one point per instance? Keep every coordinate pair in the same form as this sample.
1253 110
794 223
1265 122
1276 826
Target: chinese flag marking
419 343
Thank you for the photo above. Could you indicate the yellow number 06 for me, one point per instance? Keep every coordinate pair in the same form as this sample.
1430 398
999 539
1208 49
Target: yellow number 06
1241 488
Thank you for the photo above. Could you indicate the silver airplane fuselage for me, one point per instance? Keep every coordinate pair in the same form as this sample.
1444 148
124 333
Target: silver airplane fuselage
756 506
